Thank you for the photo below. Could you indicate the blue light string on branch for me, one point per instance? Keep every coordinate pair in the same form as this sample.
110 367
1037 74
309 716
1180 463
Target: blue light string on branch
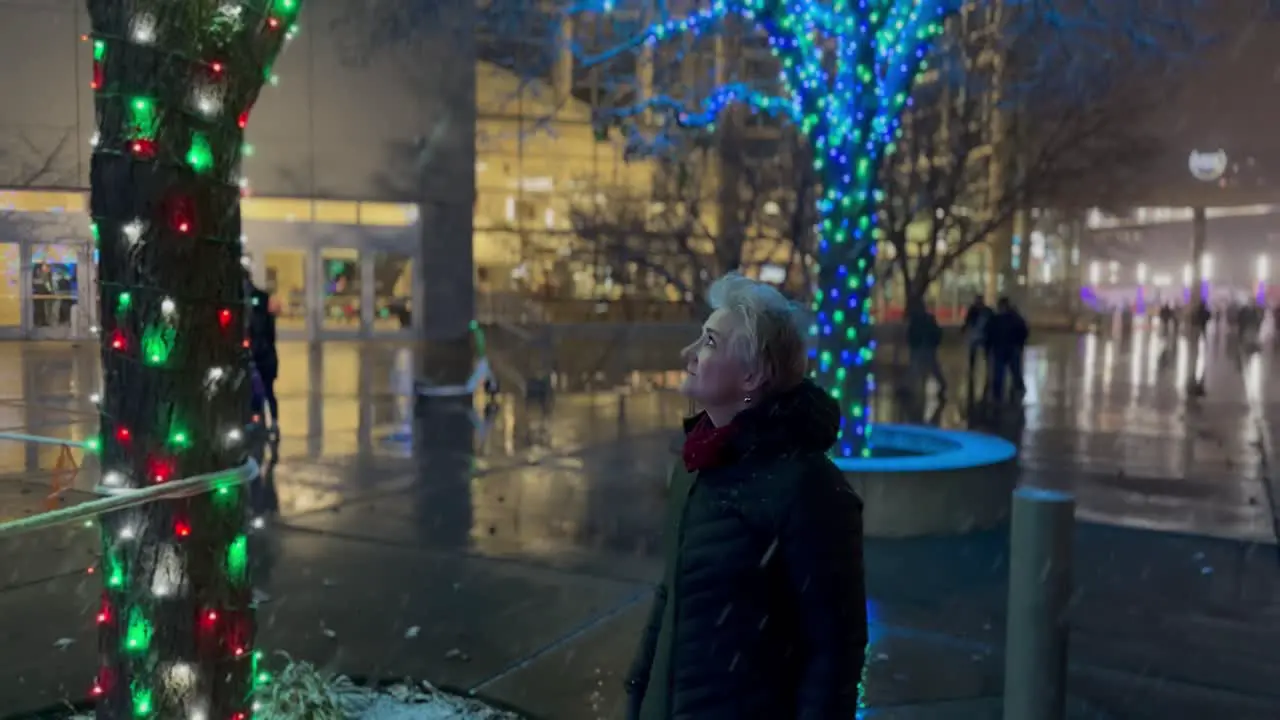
847 70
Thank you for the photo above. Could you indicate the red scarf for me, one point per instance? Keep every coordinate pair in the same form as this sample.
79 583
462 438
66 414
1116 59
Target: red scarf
706 446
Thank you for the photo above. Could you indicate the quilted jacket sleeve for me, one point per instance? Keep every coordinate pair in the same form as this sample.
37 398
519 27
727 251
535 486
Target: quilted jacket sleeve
821 541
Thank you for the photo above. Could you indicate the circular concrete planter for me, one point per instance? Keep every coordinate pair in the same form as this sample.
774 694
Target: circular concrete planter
946 482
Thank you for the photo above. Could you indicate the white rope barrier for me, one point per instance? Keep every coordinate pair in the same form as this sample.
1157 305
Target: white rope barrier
43 440
124 499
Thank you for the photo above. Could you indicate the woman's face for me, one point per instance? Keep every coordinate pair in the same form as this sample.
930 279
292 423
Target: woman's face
714 377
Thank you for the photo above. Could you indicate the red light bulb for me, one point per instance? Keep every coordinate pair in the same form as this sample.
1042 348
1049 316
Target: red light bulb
181 529
273 23
117 340
212 616
216 67
243 120
122 434
224 317
160 470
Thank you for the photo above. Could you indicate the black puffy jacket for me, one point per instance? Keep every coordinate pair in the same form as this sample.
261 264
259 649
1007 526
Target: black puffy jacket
762 610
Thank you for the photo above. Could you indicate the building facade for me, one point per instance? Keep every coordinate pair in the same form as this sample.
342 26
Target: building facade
359 178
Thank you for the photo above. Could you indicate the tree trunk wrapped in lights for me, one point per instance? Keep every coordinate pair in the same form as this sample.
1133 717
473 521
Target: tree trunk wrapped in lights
174 84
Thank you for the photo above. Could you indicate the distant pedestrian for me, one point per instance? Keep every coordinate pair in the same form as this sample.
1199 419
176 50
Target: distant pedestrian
1007 336
761 614
262 347
924 337
975 330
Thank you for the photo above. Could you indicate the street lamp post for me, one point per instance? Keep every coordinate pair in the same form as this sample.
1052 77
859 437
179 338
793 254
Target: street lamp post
1264 274
1207 167
1142 281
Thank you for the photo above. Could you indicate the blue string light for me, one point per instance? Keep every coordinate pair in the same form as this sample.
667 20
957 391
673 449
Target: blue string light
847 68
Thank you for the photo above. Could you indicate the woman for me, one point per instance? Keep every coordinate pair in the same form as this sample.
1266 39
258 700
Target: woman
762 609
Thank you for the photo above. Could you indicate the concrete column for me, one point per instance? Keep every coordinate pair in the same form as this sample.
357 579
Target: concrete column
562 73
1040 549
1199 239
999 263
1020 256
1074 280
446 165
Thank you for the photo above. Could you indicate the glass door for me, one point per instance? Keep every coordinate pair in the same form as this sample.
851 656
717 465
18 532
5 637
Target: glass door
286 273
55 275
392 290
11 289
342 306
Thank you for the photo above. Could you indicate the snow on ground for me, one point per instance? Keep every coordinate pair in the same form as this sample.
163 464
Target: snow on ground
300 692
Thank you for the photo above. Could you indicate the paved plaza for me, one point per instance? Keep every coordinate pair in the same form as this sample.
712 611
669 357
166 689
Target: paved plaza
509 552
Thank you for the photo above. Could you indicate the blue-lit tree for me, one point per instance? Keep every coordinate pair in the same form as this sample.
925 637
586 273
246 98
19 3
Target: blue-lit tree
847 69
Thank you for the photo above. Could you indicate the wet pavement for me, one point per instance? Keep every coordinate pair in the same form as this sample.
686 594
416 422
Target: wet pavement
509 551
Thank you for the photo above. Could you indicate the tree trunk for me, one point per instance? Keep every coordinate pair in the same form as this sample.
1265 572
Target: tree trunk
846 281
175 83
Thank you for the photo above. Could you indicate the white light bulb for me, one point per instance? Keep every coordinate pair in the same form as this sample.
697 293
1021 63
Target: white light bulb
95 139
134 230
113 479
215 374
207 101
128 532
168 577
94 330
167 307
234 435
181 677
143 29
95 398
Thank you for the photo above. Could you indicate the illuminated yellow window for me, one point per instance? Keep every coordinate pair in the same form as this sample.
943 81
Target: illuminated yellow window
276 209
337 212
388 214
43 201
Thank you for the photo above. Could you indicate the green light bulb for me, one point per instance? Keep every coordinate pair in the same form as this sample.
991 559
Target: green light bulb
200 156
238 558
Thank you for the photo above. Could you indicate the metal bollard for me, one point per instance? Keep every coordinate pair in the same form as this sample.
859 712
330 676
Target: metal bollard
1040 549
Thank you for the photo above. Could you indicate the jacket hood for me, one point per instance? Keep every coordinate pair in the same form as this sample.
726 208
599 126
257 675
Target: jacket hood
804 418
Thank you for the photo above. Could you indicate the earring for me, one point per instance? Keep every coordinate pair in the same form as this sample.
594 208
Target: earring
746 400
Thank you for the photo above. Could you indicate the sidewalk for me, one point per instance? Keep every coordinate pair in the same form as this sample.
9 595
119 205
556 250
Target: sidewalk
514 558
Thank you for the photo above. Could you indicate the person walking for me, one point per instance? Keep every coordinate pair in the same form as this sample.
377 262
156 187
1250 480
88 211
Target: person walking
1007 336
761 613
975 331
924 337
262 346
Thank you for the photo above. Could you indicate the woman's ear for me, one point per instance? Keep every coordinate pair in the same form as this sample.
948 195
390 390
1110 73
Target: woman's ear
754 380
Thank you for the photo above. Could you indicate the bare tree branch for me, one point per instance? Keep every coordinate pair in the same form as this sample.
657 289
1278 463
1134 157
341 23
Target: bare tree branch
1040 105
702 220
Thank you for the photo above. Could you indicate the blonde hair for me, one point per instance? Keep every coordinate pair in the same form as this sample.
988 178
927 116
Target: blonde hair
771 329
